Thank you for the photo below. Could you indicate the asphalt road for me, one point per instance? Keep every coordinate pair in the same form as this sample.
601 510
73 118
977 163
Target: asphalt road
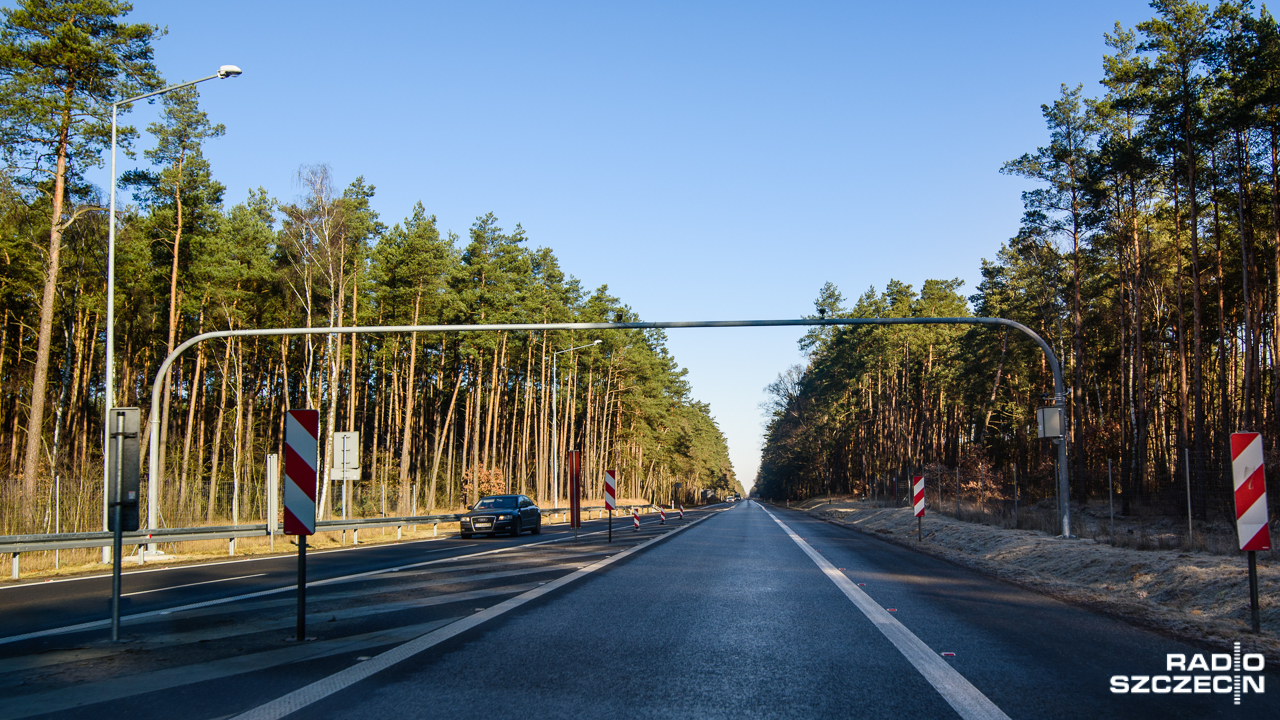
749 612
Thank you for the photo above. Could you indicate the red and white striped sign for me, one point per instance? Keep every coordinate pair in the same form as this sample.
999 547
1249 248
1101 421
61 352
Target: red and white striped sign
681 512
1251 491
635 518
918 485
663 513
301 430
610 490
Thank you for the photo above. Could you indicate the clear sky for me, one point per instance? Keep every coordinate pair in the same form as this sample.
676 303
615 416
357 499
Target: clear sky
705 160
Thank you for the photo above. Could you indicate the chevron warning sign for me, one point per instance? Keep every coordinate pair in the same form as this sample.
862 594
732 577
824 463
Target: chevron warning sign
918 488
301 431
610 490
1251 491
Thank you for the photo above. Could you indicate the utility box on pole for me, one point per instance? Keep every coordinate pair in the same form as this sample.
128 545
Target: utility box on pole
122 467
1049 420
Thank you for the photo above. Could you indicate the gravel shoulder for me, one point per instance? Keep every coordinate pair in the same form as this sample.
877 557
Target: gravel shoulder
1199 597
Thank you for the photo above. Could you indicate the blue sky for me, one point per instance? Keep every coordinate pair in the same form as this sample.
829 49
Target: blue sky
705 160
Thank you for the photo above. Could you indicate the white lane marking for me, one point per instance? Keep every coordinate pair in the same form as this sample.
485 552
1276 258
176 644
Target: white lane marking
93 624
325 687
175 587
962 696
310 553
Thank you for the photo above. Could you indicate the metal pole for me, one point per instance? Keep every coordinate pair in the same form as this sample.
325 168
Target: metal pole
117 538
555 437
302 588
57 512
153 449
1111 502
1190 538
109 396
1015 496
1253 592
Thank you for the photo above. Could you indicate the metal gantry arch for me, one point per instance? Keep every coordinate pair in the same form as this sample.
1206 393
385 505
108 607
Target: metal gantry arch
153 448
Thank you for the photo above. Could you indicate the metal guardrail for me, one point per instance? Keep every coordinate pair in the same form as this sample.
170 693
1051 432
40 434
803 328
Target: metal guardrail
18 544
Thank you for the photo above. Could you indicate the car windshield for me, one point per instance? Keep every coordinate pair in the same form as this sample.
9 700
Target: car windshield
493 503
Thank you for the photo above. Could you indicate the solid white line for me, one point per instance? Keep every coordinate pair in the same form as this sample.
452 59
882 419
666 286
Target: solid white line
93 624
325 687
310 553
962 696
206 582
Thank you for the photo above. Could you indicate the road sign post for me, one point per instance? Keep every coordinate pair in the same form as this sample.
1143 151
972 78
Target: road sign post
574 462
610 495
1252 521
917 484
273 496
301 432
346 467
122 498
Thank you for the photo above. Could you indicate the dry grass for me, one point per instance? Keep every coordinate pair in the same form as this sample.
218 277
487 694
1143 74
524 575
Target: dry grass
1200 596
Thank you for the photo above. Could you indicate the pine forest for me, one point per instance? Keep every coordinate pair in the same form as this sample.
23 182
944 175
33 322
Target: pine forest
443 417
1148 256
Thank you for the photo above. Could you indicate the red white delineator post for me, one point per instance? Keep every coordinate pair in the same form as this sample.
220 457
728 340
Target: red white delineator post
635 518
663 514
301 458
681 512
610 491
917 484
1252 522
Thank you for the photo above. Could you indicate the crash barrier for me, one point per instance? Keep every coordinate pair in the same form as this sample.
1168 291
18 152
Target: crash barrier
16 545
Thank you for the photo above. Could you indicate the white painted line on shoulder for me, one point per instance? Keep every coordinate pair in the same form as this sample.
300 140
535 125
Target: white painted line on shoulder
195 565
206 582
309 694
959 693
93 624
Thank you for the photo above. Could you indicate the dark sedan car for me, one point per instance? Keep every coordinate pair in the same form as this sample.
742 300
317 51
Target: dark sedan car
502 513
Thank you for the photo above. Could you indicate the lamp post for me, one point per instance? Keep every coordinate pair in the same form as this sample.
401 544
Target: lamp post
555 436
226 71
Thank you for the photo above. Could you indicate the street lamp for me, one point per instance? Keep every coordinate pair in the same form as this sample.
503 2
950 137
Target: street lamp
555 437
226 71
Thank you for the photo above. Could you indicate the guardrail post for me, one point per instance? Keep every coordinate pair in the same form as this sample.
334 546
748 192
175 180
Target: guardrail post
434 526
231 546
15 565
398 529
355 536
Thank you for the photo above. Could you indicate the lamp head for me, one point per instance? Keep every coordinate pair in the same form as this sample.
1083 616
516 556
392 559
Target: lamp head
227 71
597 342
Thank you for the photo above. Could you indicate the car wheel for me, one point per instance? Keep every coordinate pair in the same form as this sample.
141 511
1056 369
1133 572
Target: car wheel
515 528
537 529
466 536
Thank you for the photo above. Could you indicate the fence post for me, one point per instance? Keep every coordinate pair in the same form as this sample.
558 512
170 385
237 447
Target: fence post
1015 496
1111 503
957 490
1190 543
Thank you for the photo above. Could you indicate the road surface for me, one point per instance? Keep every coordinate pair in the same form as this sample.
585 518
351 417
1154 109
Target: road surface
736 611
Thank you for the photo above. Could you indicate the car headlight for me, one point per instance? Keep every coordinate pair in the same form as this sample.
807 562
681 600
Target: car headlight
504 517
